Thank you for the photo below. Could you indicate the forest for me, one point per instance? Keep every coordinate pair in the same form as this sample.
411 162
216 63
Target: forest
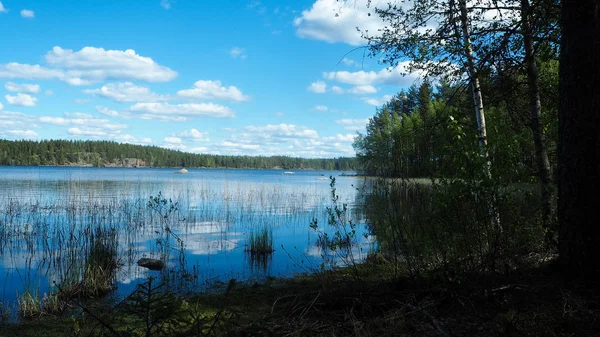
108 153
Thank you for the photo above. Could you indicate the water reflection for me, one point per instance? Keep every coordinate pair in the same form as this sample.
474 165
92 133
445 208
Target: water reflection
48 214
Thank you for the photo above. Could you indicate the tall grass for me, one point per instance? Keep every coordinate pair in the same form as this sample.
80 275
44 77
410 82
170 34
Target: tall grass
260 242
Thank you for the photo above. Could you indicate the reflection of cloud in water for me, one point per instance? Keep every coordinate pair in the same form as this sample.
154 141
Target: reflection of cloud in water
206 246
358 252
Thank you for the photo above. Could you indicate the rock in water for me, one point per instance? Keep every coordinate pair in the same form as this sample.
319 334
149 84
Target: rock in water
182 171
152 264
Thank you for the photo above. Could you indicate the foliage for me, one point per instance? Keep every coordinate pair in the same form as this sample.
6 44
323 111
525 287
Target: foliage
342 247
420 142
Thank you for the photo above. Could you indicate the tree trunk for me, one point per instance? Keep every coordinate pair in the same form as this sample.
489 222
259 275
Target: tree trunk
541 150
473 73
579 140
474 79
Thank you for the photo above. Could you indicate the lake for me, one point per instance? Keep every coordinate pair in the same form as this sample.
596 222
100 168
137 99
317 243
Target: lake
199 224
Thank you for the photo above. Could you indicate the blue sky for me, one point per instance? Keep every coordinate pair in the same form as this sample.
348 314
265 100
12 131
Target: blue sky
226 77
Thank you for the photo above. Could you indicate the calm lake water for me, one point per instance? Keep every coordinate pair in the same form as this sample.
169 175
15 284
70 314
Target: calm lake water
48 212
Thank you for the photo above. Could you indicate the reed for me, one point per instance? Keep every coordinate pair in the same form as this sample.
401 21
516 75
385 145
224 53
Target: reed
260 242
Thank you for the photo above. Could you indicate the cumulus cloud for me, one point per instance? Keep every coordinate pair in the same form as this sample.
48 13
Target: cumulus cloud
27 13
54 120
353 124
283 131
194 134
81 125
15 70
321 108
83 122
349 62
127 138
237 52
98 64
337 90
213 90
348 138
125 92
106 111
363 89
24 88
166 111
21 100
90 65
23 134
378 102
395 76
172 140
317 87
337 21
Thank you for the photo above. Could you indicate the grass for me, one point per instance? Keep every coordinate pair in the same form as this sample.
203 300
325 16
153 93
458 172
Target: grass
532 301
260 242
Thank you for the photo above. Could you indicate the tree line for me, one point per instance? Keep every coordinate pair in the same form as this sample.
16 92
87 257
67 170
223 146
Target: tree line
109 153
515 99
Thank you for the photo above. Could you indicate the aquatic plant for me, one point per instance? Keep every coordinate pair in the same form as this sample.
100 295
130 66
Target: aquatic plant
260 242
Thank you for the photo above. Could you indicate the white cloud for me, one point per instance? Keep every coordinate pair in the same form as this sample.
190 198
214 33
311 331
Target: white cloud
165 4
336 21
1 106
378 102
30 72
213 90
199 149
54 120
21 100
23 134
363 89
85 124
24 88
337 90
237 52
349 62
353 124
172 140
133 140
81 101
86 132
240 145
27 13
2 9
283 131
166 111
318 87
279 114
395 76
125 92
90 65
321 108
194 134
97 64
348 138
49 92
106 111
